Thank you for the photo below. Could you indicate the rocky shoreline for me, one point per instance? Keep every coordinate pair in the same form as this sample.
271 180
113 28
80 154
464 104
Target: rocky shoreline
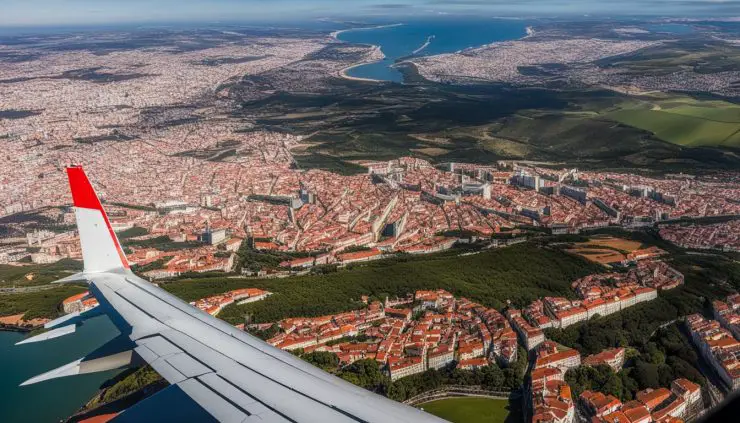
15 323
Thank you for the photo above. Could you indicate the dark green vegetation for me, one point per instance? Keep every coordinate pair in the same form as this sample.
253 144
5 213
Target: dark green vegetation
101 138
132 233
45 303
19 224
132 206
217 153
702 56
322 359
328 162
475 410
162 243
629 327
17 114
256 260
39 274
662 352
123 391
349 121
229 60
96 75
519 273
156 264
707 277
491 377
601 378
126 384
368 374
665 357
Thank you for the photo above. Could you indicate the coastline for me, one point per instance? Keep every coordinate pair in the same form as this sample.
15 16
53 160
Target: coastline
15 323
529 32
18 329
343 72
376 49
335 34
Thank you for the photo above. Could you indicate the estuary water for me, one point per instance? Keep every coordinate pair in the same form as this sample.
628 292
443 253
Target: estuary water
51 401
427 37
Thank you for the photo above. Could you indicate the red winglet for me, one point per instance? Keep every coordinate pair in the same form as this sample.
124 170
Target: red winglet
83 194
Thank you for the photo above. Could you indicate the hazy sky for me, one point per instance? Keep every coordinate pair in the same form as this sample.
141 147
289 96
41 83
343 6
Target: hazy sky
66 12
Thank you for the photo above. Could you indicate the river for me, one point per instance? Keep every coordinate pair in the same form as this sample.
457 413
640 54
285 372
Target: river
426 37
51 401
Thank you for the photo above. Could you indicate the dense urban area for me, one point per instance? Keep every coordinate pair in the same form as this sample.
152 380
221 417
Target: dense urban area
574 293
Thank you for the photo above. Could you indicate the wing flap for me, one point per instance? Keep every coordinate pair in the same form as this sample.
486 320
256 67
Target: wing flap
278 398
223 410
146 354
159 346
167 371
187 365
244 401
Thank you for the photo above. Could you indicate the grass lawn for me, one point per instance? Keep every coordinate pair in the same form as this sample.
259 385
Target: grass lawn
475 410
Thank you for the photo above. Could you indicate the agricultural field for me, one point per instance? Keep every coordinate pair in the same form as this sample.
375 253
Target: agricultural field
475 410
684 121
604 250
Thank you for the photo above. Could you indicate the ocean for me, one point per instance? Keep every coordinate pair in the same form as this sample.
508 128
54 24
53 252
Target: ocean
442 35
55 400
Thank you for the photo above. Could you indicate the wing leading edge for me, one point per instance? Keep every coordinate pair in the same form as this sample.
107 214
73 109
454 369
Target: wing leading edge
232 375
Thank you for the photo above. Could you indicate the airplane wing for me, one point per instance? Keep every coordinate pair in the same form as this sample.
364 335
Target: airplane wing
232 375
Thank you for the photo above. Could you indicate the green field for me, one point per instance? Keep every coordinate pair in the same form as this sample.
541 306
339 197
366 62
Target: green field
475 410
685 121
37 274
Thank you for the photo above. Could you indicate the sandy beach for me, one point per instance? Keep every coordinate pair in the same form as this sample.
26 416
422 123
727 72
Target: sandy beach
335 34
380 56
343 73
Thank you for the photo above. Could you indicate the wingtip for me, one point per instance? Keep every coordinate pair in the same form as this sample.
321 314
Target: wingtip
83 194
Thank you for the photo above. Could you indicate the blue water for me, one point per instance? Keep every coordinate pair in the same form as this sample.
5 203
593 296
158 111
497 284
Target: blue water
450 35
51 401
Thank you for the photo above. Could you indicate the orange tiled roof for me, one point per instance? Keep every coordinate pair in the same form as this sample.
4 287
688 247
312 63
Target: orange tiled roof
75 298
